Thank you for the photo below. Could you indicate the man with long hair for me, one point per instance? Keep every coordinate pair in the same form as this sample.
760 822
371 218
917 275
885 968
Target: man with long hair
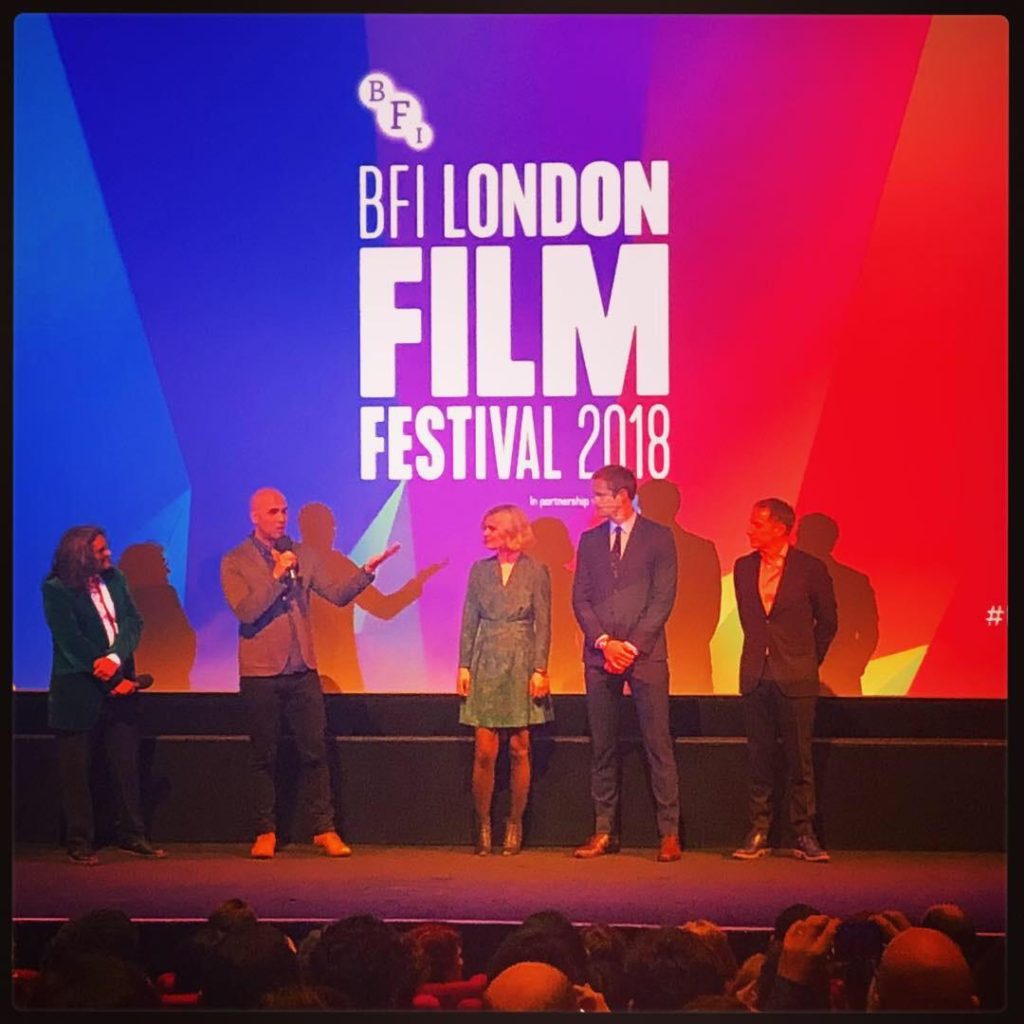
96 628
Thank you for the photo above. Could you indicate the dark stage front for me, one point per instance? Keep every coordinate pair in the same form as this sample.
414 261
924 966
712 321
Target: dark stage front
893 774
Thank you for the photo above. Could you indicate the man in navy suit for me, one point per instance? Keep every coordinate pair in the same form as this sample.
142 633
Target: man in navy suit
787 608
623 591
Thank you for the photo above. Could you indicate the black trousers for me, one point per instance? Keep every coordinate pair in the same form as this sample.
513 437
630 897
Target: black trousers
649 685
118 732
296 697
769 715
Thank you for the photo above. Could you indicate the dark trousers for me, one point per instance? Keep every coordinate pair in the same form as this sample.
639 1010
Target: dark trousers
649 686
296 697
117 730
769 715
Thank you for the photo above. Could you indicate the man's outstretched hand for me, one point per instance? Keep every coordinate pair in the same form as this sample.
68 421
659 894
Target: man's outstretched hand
372 563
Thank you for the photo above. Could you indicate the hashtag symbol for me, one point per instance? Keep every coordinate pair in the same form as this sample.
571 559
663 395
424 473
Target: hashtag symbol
995 615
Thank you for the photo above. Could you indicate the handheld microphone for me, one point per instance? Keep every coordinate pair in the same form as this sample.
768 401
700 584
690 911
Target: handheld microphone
284 544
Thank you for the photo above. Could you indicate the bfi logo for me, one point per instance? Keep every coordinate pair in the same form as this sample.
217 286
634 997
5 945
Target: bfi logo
399 114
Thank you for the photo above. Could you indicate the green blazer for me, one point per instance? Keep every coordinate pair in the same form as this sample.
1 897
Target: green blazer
76 695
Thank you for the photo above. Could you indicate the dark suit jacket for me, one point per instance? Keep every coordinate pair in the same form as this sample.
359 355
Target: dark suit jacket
634 606
258 600
76 695
799 629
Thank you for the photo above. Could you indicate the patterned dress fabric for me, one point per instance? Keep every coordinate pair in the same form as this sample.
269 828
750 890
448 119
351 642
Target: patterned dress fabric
506 635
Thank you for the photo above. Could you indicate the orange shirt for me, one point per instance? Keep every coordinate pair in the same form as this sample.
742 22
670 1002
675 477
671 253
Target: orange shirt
769 577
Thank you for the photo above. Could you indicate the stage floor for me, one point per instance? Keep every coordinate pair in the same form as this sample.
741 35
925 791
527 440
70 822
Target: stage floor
449 883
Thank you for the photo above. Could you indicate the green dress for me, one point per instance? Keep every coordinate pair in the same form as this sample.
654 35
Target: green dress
506 635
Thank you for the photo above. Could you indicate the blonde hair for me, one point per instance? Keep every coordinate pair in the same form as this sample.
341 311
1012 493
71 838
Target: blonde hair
516 532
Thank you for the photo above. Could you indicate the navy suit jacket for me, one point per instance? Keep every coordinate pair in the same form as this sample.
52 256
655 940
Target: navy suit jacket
795 635
633 606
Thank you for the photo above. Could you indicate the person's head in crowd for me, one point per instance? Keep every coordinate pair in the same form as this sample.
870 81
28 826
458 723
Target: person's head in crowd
718 942
107 932
955 922
530 987
246 964
84 981
191 957
366 960
716 1004
922 969
555 923
547 937
606 964
667 968
744 985
857 950
232 914
436 952
305 997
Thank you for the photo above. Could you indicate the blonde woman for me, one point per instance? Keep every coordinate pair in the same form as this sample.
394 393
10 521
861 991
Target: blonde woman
503 657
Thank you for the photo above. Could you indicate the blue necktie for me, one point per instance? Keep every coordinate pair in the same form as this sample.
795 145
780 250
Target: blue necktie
617 551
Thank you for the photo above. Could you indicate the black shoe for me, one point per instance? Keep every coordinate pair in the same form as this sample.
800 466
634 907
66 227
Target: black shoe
142 848
83 855
754 846
807 847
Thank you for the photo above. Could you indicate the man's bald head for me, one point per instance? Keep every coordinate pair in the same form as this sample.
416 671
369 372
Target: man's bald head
530 986
265 496
922 969
268 510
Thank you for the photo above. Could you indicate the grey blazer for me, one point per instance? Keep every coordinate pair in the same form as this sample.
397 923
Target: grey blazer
267 609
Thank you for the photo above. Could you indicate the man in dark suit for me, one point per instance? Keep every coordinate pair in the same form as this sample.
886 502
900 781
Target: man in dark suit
787 609
96 628
267 582
623 591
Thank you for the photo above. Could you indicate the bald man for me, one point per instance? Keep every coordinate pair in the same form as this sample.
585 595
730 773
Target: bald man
530 987
266 580
922 969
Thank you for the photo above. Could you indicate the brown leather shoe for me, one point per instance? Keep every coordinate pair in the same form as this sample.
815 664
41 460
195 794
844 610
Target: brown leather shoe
332 844
597 845
670 849
263 848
